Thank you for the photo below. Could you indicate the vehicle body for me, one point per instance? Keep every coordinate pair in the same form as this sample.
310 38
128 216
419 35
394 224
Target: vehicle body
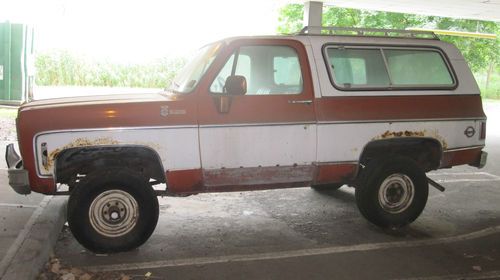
255 113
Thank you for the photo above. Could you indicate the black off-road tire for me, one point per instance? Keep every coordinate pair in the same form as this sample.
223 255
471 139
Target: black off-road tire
327 187
381 198
119 193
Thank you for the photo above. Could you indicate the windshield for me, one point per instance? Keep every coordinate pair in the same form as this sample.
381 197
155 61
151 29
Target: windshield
191 74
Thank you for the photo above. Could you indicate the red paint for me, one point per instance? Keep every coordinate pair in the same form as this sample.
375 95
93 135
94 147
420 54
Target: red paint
467 156
185 181
247 109
241 188
378 108
335 173
257 175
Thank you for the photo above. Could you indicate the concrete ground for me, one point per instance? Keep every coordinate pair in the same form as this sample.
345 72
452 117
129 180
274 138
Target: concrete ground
301 233
28 228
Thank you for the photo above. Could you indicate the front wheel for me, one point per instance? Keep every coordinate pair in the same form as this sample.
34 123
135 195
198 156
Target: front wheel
112 211
393 192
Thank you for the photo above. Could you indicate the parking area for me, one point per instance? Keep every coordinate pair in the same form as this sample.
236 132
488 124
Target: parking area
299 233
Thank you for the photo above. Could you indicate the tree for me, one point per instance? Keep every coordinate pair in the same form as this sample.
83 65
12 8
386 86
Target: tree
481 54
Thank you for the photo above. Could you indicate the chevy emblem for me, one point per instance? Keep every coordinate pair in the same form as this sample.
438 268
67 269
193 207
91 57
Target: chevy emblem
469 131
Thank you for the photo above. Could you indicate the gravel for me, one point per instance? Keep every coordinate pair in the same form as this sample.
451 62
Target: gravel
7 128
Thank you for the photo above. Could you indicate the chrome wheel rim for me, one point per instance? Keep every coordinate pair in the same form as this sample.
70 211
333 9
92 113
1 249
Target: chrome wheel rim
114 213
396 193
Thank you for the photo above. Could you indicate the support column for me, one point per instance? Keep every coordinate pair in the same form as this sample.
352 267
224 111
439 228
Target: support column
313 12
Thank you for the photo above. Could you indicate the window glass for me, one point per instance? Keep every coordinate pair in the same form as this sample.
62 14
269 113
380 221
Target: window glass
387 67
417 67
287 71
242 68
190 75
358 67
267 69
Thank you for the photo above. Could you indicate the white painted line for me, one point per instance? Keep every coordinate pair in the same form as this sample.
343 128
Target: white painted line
7 259
464 174
293 253
17 205
469 276
466 180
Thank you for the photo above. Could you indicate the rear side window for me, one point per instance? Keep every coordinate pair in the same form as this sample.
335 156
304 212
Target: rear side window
385 67
417 67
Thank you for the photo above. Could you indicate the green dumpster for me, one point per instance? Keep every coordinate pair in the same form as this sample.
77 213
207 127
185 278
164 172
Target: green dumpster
16 63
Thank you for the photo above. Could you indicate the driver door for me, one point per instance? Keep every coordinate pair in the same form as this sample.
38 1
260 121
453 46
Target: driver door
267 136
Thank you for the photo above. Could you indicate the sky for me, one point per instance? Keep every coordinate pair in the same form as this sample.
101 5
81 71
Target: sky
136 31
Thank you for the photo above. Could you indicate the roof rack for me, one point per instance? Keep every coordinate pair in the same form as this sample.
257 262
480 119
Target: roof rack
369 32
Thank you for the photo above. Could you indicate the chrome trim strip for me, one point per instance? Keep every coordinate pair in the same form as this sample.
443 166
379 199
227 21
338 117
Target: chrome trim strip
402 120
115 128
255 124
464 148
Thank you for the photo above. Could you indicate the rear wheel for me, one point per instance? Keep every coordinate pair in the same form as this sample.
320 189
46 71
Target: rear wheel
393 192
112 211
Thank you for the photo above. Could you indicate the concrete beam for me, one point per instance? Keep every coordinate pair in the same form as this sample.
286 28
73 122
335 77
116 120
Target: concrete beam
313 12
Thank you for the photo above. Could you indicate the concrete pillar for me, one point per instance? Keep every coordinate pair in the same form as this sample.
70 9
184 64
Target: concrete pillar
313 11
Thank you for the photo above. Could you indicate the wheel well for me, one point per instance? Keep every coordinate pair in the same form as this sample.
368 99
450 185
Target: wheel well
426 152
82 160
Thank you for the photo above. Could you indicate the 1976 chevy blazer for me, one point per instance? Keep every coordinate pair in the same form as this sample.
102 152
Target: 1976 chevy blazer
371 109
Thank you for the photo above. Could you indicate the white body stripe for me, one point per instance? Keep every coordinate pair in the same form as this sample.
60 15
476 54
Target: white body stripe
252 146
177 147
345 142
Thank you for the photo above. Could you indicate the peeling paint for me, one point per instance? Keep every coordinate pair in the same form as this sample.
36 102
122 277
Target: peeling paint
406 133
79 142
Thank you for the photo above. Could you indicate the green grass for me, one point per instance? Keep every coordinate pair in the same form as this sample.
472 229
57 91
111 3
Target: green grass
62 68
8 113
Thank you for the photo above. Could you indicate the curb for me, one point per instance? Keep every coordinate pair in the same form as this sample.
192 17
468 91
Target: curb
37 240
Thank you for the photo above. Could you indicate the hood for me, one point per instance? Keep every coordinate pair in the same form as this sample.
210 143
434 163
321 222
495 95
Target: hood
97 100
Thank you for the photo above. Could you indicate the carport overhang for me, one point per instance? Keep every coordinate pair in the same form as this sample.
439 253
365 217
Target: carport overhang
487 10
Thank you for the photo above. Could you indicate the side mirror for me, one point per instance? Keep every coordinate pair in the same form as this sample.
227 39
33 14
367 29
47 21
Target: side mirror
235 85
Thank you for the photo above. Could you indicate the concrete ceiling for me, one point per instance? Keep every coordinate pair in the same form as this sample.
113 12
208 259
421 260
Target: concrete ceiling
488 10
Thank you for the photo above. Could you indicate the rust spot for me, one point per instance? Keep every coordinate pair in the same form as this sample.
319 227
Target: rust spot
406 133
423 133
79 142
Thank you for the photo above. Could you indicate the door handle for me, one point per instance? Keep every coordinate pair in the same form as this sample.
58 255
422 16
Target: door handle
307 102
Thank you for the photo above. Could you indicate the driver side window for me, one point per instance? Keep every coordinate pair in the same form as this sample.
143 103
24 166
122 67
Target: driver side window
268 70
